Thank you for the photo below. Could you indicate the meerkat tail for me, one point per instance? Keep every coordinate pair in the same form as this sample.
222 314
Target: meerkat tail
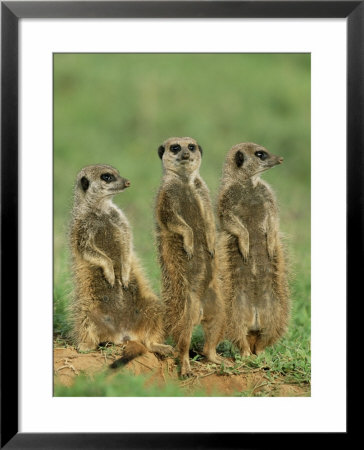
132 350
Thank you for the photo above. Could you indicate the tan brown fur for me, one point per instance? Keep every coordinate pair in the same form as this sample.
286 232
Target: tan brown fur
252 264
185 229
113 301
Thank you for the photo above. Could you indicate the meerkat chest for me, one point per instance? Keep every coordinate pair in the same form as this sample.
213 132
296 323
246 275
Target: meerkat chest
254 206
107 235
190 204
113 231
116 216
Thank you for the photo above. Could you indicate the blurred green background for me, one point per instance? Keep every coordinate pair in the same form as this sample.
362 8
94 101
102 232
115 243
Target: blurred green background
117 109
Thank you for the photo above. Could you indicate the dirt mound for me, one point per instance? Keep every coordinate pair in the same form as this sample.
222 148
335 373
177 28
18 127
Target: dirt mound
211 378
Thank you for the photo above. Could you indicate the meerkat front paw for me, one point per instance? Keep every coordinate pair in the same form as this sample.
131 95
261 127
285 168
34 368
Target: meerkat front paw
211 247
188 248
125 278
271 250
109 275
271 245
188 243
244 249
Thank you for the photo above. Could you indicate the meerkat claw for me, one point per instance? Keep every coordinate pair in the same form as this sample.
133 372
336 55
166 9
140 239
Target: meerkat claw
189 253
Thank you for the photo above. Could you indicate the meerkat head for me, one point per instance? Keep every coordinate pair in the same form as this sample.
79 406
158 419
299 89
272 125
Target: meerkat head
247 160
180 155
100 181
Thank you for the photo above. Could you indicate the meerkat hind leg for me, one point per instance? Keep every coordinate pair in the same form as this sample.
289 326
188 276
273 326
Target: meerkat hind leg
87 336
243 346
212 329
185 365
212 323
210 352
183 351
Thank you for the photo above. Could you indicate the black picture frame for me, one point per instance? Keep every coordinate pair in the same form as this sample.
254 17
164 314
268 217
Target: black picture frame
11 12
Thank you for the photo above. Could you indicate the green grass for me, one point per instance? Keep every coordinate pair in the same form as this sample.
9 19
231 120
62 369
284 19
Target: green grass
117 109
121 385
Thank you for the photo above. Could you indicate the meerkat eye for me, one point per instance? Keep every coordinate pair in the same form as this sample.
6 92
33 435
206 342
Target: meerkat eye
108 177
262 155
175 148
192 147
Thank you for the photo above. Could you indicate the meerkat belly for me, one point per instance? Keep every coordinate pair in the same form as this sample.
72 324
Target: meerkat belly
91 285
256 274
120 312
191 213
254 305
253 216
110 241
198 268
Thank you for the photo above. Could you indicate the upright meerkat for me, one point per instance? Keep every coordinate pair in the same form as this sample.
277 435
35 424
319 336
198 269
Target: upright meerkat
113 301
186 242
252 262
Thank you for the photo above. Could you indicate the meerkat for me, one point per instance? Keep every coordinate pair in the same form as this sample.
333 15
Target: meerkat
113 301
252 262
185 231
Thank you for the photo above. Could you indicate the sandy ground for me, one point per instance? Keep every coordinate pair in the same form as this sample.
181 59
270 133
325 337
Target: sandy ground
68 364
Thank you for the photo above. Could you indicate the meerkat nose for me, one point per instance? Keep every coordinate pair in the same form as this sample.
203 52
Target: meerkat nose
280 160
127 183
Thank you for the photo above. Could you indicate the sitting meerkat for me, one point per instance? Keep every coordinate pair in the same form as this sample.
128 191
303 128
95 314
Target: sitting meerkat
113 301
252 263
185 230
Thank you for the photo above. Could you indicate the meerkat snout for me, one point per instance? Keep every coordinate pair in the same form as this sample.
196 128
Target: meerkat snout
185 155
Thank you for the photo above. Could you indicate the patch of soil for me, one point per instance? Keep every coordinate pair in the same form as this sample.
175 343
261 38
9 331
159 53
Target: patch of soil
211 378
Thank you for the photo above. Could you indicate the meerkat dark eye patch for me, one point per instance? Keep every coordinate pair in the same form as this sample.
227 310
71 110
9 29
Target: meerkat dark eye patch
85 183
262 155
175 148
239 158
108 177
192 147
200 148
161 151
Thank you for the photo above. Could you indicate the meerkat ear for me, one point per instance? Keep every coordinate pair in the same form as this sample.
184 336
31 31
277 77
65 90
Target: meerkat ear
85 183
239 158
200 148
161 151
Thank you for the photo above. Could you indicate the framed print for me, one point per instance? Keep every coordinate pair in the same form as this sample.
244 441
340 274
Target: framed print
92 95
